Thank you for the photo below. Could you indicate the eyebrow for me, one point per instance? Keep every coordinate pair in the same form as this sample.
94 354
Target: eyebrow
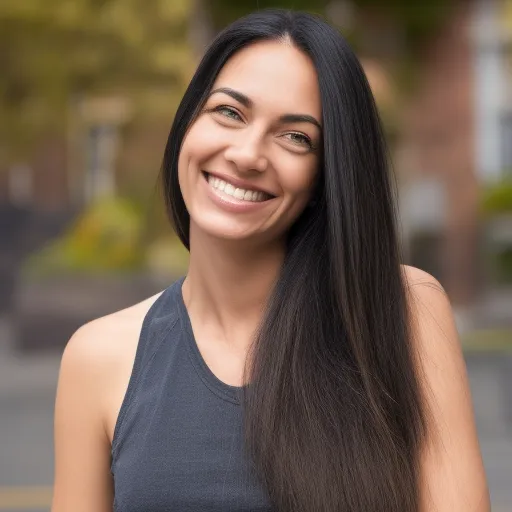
248 103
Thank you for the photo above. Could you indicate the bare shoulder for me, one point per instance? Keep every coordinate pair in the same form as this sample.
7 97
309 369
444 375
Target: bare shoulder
430 309
453 476
99 357
107 340
93 377
433 329
104 333
416 277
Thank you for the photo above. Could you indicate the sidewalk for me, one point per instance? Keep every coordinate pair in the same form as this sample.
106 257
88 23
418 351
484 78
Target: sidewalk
26 374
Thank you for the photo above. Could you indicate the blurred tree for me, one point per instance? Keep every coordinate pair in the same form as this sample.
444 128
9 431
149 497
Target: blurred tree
52 51
417 20
226 11
401 27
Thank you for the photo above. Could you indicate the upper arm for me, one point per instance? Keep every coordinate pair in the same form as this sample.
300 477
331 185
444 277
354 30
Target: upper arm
82 449
452 471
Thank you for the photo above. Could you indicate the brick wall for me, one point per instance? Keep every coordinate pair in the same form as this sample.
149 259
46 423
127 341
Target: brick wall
439 134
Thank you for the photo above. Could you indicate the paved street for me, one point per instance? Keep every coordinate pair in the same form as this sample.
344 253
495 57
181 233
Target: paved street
27 389
27 393
490 378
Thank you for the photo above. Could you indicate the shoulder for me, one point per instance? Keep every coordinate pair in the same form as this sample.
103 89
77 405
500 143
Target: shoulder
434 337
429 306
98 360
101 341
432 326
433 331
93 376
453 476
415 277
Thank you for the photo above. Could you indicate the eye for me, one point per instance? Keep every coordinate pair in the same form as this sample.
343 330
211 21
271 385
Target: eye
299 139
228 112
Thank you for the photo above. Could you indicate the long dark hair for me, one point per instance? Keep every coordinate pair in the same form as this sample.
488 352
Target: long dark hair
334 417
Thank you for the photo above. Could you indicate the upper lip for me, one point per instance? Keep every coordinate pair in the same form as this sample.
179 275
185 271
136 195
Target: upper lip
246 185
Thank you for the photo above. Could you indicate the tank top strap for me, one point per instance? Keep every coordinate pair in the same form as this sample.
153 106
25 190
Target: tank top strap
160 318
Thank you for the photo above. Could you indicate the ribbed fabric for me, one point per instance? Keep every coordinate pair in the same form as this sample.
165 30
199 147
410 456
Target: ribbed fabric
178 442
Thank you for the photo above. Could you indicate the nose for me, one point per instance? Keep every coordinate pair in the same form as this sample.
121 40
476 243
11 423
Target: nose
245 152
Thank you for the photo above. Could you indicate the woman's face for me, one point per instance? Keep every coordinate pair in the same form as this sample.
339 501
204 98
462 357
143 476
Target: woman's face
249 161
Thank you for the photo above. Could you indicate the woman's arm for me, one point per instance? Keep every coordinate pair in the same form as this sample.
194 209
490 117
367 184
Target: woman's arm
83 481
453 476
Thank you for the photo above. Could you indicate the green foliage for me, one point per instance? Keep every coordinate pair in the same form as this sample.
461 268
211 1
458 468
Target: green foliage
417 20
226 11
497 199
105 238
490 340
111 236
55 50
503 266
496 207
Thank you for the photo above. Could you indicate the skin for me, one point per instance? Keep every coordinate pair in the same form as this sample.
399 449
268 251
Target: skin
235 258
234 253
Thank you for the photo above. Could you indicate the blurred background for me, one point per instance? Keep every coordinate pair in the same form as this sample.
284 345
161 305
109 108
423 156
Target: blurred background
88 90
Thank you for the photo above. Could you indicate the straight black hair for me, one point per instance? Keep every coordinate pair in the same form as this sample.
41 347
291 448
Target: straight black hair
334 418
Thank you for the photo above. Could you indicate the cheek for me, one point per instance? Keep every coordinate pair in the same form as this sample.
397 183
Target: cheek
192 151
298 183
187 147
203 139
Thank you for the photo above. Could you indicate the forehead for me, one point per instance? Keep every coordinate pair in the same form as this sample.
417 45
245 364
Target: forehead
274 74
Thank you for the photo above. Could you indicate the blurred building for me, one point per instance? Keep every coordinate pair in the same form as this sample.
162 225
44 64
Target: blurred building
457 139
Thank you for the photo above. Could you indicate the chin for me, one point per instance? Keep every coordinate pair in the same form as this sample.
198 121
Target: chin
227 230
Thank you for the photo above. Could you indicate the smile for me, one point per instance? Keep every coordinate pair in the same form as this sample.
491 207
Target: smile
222 187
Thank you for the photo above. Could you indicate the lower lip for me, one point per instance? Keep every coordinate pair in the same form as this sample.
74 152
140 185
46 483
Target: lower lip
231 204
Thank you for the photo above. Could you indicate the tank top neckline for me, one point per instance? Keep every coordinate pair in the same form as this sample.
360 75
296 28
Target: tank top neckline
223 390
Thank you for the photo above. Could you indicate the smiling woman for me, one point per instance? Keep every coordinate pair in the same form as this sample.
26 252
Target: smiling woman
251 136
298 366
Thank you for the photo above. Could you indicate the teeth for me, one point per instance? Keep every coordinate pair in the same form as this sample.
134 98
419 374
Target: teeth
238 193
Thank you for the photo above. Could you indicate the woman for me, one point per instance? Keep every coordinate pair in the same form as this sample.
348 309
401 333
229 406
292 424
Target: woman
298 366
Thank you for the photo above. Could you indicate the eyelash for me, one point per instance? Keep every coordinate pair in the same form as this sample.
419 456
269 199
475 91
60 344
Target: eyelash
221 108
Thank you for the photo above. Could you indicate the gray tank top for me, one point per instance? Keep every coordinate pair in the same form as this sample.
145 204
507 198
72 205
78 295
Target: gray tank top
178 442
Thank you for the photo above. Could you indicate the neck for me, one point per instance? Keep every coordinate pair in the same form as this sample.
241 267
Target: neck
228 285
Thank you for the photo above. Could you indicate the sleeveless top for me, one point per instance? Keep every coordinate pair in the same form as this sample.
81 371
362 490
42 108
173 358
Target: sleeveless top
178 443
